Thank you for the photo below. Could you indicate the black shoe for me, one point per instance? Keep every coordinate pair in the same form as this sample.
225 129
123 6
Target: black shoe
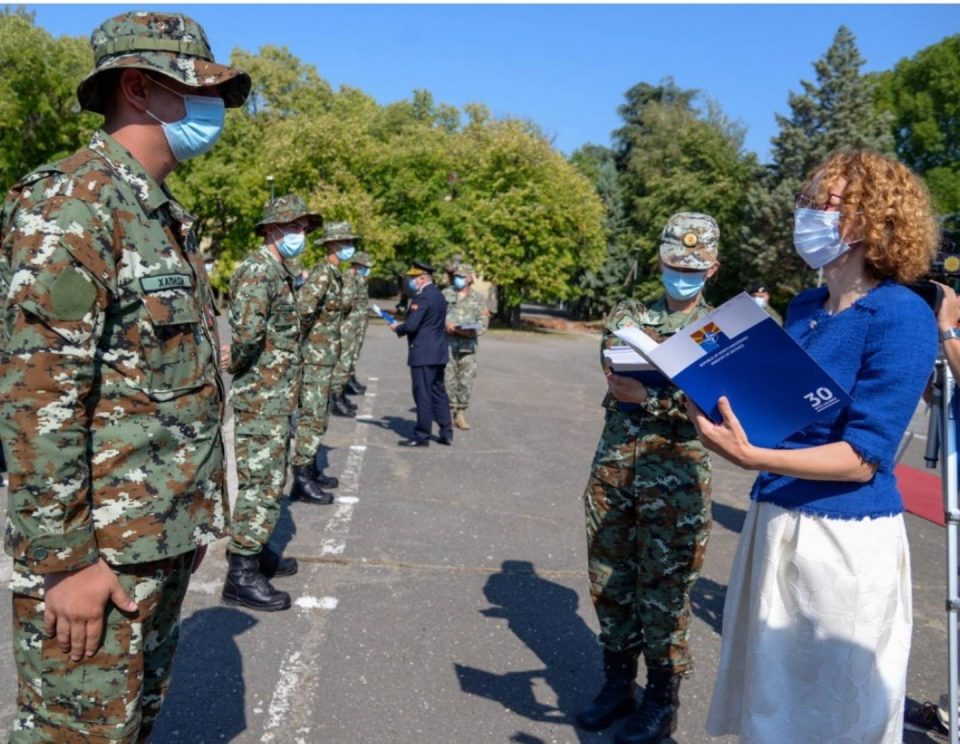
413 443
339 406
922 717
273 564
247 587
445 440
323 480
306 489
616 697
656 718
354 387
347 402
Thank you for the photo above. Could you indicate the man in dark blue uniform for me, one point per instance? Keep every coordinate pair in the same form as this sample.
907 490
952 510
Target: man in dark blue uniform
427 358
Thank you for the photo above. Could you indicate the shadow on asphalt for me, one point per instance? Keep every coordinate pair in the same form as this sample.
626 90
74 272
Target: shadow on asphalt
401 426
543 615
706 601
286 528
207 694
728 517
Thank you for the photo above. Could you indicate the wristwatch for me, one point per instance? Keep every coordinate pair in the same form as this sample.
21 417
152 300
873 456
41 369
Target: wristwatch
949 333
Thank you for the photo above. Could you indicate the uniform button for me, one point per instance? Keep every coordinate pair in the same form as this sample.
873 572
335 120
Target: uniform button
813 324
40 553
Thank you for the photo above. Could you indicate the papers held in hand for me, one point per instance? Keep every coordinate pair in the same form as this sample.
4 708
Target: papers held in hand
468 326
775 388
383 314
623 360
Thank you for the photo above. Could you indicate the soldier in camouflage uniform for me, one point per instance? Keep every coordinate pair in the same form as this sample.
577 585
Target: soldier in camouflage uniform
266 367
350 304
320 307
358 320
110 394
467 318
648 505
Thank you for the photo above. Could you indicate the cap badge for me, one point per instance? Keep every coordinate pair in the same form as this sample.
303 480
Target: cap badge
690 239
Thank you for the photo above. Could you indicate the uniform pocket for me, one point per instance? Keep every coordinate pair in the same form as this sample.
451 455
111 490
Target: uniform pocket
169 340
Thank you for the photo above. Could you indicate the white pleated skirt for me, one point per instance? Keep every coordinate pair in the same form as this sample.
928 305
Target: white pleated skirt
816 631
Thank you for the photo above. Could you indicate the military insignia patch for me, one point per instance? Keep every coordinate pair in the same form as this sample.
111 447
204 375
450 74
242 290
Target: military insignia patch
690 239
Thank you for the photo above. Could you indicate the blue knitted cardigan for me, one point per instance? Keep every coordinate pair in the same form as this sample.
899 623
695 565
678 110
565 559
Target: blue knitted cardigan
881 350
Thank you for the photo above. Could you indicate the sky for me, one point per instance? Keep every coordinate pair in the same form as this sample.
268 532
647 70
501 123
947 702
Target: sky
565 67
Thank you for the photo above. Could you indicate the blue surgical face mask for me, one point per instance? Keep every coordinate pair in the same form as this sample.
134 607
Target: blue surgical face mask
291 244
459 282
682 285
761 301
412 284
363 270
345 253
198 131
816 237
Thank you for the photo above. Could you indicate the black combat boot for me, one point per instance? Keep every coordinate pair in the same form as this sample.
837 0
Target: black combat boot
306 489
340 406
246 586
273 564
656 718
347 402
354 387
615 698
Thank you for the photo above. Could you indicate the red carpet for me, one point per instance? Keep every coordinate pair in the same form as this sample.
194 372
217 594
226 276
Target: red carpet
921 493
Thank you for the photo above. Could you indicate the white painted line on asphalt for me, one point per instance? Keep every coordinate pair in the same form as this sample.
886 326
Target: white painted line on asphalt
291 670
347 500
309 602
205 587
332 547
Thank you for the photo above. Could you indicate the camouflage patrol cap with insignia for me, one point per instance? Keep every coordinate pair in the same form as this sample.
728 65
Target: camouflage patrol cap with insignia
464 270
419 268
361 259
690 240
167 43
286 209
337 232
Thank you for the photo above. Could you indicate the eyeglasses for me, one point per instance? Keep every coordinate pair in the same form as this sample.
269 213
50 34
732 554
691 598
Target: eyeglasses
805 201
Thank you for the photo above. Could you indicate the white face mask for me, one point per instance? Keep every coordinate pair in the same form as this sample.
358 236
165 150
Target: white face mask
816 237
761 301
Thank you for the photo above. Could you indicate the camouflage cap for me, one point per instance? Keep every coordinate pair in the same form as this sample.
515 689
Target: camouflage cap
169 43
338 232
690 240
464 270
361 259
285 209
452 266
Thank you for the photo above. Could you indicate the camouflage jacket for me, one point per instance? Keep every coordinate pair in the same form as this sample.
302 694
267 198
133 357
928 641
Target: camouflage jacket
664 405
110 395
358 298
319 305
465 311
265 347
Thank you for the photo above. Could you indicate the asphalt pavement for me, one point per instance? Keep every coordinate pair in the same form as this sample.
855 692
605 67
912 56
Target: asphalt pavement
444 596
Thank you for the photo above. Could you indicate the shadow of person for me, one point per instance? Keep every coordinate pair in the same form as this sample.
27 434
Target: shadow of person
543 615
285 529
400 426
729 517
206 700
706 601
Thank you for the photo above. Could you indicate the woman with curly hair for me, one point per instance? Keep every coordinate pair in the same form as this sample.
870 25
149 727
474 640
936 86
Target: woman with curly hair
817 619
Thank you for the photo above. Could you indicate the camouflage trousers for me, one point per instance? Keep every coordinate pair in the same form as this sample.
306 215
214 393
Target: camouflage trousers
346 360
648 519
314 415
261 444
458 378
115 695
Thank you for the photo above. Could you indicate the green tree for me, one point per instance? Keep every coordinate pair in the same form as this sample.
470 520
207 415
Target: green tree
836 112
675 156
39 120
922 95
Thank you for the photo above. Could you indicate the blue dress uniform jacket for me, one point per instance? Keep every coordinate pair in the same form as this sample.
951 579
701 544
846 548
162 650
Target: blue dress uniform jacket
425 328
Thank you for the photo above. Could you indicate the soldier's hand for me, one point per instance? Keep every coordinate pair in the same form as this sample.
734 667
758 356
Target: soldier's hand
74 607
394 326
451 328
225 356
626 389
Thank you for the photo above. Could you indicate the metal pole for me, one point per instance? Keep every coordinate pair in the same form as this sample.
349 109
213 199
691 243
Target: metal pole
270 181
948 431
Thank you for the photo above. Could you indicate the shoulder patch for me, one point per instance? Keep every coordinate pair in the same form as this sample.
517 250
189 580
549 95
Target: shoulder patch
72 294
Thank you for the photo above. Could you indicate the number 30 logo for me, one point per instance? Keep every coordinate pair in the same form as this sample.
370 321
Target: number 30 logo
820 398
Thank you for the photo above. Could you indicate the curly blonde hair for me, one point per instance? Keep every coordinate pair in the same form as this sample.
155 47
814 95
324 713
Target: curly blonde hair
887 207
